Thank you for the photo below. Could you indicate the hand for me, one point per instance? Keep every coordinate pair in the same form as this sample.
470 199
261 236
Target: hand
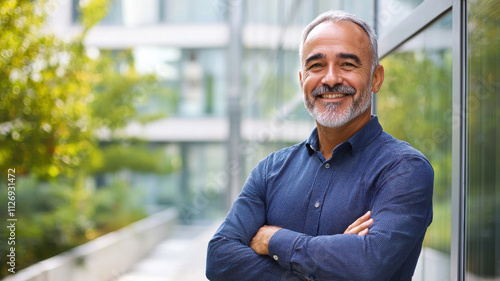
360 226
260 242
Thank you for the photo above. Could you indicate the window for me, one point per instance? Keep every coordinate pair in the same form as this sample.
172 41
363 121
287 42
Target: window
391 12
414 105
482 261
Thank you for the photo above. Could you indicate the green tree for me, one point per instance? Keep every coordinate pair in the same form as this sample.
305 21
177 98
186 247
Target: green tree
54 101
54 97
414 105
45 86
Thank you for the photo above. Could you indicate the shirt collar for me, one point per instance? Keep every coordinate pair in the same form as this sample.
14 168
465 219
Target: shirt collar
312 143
357 142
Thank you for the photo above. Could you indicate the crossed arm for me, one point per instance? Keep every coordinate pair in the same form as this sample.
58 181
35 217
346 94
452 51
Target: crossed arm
260 242
243 248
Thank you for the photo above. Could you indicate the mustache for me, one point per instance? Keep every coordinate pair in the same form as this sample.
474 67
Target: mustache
337 88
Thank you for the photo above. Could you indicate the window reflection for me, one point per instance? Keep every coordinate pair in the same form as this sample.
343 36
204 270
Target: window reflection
483 142
392 12
414 105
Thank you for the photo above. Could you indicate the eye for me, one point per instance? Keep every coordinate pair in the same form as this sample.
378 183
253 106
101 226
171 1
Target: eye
315 65
348 64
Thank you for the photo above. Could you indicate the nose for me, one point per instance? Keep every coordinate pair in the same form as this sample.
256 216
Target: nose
332 76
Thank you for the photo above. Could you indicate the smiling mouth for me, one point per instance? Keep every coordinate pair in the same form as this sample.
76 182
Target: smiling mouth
332 96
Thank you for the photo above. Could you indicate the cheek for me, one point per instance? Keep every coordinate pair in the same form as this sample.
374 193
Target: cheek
308 82
361 79
356 81
305 76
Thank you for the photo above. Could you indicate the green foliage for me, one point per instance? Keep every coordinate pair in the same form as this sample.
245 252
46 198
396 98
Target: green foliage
44 88
438 235
483 139
55 100
93 12
118 92
52 217
54 97
415 105
59 225
135 156
116 199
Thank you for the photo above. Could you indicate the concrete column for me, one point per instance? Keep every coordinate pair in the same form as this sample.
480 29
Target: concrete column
234 89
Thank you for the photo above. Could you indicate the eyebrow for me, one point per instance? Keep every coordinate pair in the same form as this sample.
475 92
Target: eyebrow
349 56
312 57
318 56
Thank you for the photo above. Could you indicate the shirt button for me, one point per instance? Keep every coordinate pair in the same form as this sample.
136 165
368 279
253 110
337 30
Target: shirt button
327 166
275 257
316 204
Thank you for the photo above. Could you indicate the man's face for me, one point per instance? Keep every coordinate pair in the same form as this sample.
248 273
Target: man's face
336 77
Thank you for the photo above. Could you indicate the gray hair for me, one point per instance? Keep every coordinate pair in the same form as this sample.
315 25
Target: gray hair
336 16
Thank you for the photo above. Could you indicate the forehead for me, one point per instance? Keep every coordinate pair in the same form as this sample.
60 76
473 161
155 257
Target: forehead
344 36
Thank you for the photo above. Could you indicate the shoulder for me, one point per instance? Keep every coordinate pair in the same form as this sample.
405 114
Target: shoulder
397 153
396 148
282 155
278 160
274 164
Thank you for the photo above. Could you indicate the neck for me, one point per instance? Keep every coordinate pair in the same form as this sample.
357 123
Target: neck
329 138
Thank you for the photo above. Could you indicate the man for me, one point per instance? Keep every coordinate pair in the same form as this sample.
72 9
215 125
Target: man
290 220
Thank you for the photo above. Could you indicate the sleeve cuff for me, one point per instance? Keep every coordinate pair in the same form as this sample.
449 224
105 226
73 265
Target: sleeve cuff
281 246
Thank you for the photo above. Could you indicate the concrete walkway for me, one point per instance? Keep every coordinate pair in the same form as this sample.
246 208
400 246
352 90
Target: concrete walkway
180 257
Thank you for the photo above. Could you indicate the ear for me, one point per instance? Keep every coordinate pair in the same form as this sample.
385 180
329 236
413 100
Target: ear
300 80
377 79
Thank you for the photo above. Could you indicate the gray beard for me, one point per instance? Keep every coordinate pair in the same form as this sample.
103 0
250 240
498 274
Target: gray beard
331 117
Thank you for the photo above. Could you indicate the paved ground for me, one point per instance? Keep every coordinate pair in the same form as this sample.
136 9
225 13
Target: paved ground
180 257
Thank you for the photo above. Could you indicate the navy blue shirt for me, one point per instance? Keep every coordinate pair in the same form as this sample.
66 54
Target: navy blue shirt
314 200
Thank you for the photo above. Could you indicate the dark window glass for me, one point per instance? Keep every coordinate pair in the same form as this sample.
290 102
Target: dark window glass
483 142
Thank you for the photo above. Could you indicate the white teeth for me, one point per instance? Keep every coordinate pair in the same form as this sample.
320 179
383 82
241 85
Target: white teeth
332 96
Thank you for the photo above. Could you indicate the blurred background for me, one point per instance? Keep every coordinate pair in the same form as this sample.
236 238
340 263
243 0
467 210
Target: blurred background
112 111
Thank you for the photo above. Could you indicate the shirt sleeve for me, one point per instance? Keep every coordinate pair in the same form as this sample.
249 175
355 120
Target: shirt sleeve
402 211
229 257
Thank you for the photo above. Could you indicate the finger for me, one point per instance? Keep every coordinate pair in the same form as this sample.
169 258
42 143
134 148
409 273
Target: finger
365 225
362 219
358 229
364 232
359 221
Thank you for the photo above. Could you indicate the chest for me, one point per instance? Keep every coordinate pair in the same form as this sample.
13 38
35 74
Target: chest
320 198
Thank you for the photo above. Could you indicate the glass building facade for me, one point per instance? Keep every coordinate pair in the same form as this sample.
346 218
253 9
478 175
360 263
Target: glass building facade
482 137
416 112
441 60
442 64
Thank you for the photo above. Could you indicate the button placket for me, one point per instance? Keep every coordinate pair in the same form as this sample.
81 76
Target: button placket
318 191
